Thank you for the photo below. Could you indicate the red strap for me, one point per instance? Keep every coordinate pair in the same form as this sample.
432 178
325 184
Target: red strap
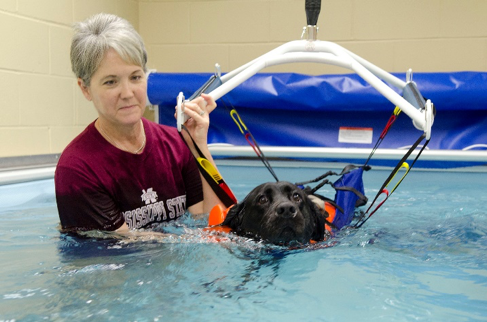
376 208
391 121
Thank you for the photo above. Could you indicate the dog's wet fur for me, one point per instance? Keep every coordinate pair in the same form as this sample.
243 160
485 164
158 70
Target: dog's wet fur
279 213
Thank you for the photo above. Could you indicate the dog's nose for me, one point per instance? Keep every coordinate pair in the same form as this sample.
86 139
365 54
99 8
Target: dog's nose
286 210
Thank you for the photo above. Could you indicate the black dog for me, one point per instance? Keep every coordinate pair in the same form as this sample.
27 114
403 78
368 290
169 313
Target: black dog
278 213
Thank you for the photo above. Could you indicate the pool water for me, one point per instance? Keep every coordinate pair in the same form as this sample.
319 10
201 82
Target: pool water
421 257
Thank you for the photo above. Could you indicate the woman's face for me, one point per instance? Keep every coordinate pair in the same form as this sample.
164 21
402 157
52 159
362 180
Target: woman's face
118 90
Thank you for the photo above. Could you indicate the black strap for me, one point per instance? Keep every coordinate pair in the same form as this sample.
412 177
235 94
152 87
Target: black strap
398 166
404 158
250 139
362 199
224 197
323 176
390 122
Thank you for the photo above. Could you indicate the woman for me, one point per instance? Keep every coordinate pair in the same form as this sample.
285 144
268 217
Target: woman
124 172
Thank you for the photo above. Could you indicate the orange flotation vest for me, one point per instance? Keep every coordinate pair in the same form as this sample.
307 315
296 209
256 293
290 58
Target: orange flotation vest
216 218
331 210
218 215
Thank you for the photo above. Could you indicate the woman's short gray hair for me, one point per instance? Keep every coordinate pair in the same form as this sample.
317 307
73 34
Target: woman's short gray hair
94 36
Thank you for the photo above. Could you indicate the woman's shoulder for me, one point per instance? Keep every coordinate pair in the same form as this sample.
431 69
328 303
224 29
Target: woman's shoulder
83 145
167 138
163 132
160 128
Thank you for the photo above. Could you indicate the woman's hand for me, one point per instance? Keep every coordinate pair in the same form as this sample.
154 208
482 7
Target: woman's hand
199 122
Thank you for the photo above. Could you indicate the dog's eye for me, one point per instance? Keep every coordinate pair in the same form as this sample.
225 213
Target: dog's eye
263 200
296 197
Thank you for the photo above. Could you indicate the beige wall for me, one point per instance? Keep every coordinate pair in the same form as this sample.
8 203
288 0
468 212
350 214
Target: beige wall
42 109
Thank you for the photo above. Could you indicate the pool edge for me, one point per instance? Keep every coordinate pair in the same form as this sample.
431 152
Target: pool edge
40 167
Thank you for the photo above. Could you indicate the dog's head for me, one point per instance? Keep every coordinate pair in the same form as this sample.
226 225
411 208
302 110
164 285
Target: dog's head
279 213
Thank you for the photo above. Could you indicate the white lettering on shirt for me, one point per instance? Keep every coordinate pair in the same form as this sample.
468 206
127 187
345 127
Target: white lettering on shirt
154 212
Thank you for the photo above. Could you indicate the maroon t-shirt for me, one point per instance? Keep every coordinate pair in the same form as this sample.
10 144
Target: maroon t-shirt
99 186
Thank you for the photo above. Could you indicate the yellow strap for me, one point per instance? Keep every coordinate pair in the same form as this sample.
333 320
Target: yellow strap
397 111
238 121
404 165
210 169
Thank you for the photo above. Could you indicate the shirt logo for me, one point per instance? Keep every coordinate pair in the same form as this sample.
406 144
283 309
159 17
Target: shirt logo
149 196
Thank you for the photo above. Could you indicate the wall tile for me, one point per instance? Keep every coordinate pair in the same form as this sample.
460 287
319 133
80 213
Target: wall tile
9 93
26 46
379 53
484 59
164 23
129 9
335 21
60 43
85 8
465 18
49 10
386 19
230 22
440 55
61 136
240 54
286 20
46 100
188 58
8 5
84 111
24 141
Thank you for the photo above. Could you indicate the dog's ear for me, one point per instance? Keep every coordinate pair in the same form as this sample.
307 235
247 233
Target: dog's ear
234 217
319 221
